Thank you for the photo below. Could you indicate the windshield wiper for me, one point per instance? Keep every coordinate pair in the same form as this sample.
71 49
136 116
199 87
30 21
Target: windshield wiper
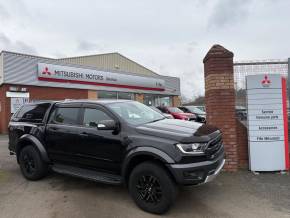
153 121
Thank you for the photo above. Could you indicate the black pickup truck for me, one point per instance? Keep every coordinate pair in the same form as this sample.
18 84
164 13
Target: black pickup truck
116 142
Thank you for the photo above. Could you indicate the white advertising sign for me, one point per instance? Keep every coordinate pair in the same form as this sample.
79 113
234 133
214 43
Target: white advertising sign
16 103
267 123
65 74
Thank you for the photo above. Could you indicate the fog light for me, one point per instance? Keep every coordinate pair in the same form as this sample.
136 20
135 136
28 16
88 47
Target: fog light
196 175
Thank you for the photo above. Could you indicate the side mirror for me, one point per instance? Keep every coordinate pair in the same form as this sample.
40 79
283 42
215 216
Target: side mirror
107 125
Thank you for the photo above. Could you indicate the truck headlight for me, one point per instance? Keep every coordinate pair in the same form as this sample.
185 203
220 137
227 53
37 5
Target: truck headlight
192 148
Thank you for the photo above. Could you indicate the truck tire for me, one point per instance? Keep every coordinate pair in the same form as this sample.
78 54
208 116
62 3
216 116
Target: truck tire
152 188
31 164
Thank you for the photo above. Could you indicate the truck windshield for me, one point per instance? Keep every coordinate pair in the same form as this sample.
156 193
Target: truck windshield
135 112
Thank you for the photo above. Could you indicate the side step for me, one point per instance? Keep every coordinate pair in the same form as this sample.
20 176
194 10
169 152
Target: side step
87 174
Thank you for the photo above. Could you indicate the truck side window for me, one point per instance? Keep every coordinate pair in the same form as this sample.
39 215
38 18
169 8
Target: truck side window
66 115
93 116
32 112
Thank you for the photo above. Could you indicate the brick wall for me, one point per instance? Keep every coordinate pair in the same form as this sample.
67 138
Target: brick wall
139 97
242 136
176 102
220 100
36 93
92 94
50 93
5 109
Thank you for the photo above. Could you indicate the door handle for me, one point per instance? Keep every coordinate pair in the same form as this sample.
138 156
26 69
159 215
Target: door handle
53 128
85 134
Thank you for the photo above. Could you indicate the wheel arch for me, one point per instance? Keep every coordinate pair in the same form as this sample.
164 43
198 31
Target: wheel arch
28 139
142 154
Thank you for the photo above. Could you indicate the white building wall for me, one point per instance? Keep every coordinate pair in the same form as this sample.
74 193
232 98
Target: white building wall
22 69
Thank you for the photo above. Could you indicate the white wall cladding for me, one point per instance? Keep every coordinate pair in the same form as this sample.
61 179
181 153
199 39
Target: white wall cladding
22 69
1 68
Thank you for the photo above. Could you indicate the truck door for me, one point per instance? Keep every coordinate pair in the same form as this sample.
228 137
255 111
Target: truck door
100 149
62 132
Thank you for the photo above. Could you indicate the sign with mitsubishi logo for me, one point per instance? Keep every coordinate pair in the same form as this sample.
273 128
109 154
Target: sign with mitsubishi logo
266 82
267 122
46 71
65 74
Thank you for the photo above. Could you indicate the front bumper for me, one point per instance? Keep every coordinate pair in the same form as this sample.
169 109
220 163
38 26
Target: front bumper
216 172
197 173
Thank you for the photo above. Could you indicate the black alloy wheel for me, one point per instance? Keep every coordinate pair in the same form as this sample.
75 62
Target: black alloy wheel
152 187
31 164
149 189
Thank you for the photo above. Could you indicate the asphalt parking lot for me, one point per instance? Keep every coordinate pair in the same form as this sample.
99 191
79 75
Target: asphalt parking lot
241 194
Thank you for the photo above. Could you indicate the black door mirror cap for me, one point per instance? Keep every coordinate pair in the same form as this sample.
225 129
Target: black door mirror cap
107 125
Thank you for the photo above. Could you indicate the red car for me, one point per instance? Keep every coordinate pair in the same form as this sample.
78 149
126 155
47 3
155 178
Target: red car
177 113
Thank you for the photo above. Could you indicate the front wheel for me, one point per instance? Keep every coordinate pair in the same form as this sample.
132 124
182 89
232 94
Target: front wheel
31 164
152 188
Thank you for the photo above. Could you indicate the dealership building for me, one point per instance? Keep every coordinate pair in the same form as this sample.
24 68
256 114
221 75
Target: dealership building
27 78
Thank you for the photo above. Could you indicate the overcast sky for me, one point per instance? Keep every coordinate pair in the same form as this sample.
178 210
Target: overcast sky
171 37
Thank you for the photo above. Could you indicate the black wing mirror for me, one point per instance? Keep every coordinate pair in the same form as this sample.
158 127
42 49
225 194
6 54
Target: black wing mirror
107 125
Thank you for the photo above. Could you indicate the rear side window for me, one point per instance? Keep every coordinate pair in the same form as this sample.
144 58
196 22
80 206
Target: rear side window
33 112
65 115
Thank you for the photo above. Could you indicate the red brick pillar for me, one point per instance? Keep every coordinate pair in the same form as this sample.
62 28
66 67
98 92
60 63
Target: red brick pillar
220 100
176 102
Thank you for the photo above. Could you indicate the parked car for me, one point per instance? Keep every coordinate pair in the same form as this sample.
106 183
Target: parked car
177 113
168 116
200 107
241 112
116 142
200 115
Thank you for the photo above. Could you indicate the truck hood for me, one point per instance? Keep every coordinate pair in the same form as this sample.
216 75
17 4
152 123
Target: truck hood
179 130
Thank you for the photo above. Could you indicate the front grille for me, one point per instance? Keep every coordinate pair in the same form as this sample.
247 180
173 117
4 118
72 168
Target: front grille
193 159
214 145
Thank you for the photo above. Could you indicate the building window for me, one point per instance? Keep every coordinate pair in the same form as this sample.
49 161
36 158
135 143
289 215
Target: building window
107 94
115 95
165 101
157 100
125 95
149 100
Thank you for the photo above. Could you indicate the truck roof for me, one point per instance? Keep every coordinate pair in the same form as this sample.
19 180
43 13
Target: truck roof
101 101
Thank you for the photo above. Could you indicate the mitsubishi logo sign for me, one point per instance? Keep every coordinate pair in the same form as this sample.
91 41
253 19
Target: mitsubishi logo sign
266 82
92 77
46 71
267 122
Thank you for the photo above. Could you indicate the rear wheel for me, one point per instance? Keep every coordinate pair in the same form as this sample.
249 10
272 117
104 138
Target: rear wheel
31 164
152 188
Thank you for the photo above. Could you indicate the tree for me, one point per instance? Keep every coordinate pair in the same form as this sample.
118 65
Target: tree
197 101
